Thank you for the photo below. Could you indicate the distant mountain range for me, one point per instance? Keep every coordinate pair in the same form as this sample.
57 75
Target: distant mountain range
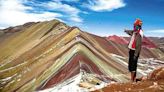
41 55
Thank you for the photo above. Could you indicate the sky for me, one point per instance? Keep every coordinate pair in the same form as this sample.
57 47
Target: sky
100 17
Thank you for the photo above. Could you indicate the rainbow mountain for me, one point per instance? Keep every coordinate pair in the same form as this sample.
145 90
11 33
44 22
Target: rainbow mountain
51 55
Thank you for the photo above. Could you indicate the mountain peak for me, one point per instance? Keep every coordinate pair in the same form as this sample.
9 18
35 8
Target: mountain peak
117 39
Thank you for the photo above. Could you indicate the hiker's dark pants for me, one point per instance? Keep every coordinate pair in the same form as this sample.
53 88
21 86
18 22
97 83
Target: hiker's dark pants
132 61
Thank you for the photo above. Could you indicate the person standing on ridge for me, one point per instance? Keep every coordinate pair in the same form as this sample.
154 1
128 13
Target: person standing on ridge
134 47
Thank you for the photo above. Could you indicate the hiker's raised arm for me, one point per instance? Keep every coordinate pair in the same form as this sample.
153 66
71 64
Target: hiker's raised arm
129 32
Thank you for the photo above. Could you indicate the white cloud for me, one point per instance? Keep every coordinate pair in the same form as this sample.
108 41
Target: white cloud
156 31
14 12
76 19
105 5
71 12
69 0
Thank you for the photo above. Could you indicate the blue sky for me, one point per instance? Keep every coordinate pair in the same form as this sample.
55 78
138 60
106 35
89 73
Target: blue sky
100 17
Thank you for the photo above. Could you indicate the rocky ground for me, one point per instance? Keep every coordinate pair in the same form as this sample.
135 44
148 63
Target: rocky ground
152 83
